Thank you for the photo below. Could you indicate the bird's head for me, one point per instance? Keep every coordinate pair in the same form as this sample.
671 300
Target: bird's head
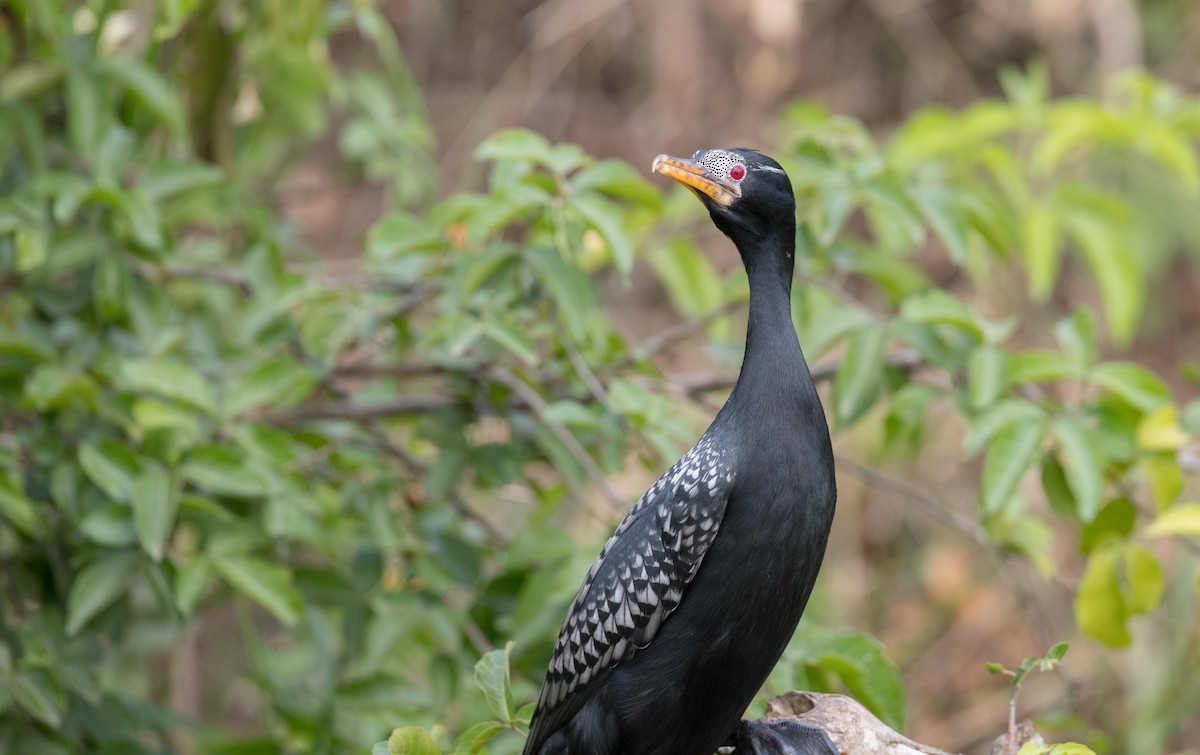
744 191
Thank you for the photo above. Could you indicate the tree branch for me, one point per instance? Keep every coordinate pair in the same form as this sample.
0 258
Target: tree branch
402 407
927 503
535 402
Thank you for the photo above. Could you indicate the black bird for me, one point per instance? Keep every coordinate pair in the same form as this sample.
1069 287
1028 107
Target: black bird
692 600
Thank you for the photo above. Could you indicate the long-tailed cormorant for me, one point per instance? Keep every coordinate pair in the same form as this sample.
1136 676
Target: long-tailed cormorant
694 597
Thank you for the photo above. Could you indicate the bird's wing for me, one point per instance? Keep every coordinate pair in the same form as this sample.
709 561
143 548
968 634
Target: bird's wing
636 582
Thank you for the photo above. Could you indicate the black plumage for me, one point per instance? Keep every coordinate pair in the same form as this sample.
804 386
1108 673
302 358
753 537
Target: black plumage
694 597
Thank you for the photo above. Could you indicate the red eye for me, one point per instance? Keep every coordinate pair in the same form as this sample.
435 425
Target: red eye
737 172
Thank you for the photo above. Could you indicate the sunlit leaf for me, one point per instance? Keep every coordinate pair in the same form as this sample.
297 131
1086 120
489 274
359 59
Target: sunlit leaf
154 505
491 676
1012 452
1132 382
1180 519
169 378
411 740
41 695
1083 463
1144 575
1100 607
1160 431
1042 247
266 584
987 374
97 585
515 144
860 376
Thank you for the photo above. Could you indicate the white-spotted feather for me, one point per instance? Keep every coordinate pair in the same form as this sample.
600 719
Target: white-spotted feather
637 580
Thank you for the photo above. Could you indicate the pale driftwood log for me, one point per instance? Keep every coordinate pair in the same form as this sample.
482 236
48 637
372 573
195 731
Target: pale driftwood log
855 731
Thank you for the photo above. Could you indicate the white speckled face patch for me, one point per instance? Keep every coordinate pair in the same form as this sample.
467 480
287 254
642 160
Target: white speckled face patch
724 165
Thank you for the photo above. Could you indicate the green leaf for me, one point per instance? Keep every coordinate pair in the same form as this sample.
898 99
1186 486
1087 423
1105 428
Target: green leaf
1108 249
28 80
1077 337
97 586
411 740
1113 523
1132 382
22 513
1057 490
1083 463
110 465
1180 519
266 584
1159 430
41 695
164 181
617 179
515 144
1100 607
987 374
1042 248
860 377
279 382
600 214
869 676
149 88
402 233
1144 575
1165 479
1174 152
474 738
190 581
169 378
942 208
219 470
513 339
1039 366
985 426
1013 450
689 276
935 306
154 505
491 676
566 412
1058 651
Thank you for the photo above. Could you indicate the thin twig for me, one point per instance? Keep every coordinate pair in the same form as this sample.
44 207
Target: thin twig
681 330
401 407
535 402
932 506
402 369
418 467
693 384
585 372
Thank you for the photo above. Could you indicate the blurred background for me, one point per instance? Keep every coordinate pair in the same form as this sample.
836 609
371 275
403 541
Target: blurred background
285 205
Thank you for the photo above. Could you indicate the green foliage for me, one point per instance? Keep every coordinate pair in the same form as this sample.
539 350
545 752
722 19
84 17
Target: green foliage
830 661
1048 662
357 484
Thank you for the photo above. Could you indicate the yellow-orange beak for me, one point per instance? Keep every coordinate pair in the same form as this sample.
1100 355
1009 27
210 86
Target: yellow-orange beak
695 177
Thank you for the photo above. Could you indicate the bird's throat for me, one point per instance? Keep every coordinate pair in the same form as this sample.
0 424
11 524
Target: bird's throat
774 377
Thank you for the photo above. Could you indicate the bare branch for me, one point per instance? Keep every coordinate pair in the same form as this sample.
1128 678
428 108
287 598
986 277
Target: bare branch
852 727
694 384
535 402
682 330
401 407
932 506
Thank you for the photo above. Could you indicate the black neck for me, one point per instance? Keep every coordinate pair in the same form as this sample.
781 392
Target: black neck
774 383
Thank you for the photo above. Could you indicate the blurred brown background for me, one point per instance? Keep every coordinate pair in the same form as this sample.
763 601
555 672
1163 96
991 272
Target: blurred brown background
632 78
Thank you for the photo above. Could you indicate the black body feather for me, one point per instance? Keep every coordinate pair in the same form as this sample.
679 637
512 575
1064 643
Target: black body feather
693 599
